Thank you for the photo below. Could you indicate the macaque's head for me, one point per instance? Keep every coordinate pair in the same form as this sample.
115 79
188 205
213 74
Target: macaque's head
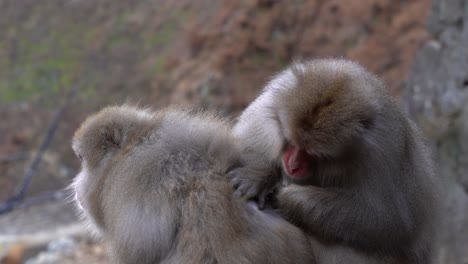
325 111
105 144
139 170
131 156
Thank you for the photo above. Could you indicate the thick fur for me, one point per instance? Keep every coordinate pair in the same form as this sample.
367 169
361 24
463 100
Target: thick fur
154 185
371 186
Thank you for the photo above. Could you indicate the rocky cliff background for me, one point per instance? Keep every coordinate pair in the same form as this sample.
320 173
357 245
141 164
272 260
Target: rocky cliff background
211 54
435 95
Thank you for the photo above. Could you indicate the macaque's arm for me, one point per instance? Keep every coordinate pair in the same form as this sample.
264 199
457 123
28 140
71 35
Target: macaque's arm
344 216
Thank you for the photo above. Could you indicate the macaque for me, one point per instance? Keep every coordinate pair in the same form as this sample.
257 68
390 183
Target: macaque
357 171
154 185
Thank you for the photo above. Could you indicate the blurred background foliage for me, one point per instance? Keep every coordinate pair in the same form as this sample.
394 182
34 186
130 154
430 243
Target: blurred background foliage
210 53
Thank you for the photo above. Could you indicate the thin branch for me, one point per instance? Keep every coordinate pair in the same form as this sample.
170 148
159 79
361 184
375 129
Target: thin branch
18 196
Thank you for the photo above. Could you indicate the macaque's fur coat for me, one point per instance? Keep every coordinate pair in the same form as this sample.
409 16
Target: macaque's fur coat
370 184
154 185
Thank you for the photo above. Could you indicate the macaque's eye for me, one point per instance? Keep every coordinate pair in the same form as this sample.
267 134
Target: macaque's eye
80 157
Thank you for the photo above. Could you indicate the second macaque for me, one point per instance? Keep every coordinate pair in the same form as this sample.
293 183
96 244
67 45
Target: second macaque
359 173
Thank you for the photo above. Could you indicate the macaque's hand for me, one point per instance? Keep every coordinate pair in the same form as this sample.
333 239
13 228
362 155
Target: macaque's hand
254 184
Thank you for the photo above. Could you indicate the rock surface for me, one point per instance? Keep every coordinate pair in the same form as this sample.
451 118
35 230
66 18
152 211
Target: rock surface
436 97
51 226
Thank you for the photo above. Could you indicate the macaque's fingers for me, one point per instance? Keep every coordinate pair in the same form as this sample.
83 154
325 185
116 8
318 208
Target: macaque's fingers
232 173
267 195
245 185
252 191
261 201
235 181
247 189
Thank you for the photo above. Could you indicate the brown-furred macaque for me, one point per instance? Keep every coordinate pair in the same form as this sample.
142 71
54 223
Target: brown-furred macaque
154 185
358 172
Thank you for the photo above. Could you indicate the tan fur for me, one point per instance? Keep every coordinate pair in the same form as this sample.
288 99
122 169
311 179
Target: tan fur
371 186
154 185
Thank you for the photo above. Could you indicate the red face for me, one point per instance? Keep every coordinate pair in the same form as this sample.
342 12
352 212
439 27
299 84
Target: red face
296 162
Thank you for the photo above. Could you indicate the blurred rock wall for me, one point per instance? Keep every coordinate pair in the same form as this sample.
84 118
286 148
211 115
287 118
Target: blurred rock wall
436 97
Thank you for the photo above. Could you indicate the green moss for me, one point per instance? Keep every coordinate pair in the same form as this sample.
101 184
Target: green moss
42 66
159 64
181 15
281 62
118 40
259 58
159 38
88 91
42 57
350 42
165 34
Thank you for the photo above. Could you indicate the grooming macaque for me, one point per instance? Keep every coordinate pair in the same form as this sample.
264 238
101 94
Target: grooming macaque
359 174
154 185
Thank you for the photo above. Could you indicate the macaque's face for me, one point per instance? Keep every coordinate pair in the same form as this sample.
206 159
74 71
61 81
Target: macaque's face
87 182
89 187
84 192
320 121
80 183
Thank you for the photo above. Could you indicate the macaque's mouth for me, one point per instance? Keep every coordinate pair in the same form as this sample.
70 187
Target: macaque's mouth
296 162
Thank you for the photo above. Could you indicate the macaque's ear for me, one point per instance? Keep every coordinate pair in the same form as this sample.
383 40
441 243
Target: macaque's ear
111 136
107 131
99 135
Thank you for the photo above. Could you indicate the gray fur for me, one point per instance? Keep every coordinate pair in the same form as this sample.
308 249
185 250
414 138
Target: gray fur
154 185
